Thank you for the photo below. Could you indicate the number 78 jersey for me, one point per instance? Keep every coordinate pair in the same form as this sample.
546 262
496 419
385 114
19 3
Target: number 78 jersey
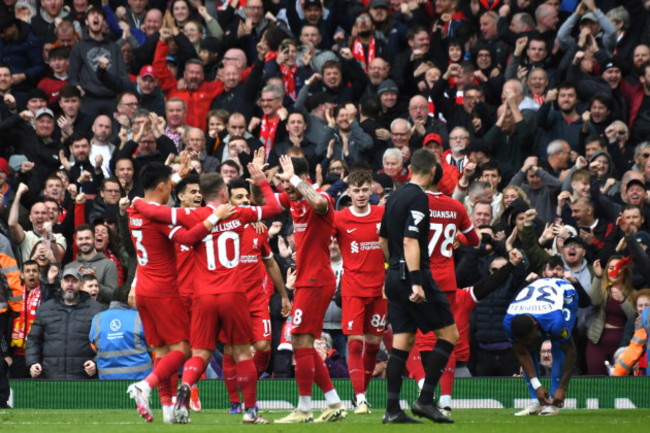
553 302
447 217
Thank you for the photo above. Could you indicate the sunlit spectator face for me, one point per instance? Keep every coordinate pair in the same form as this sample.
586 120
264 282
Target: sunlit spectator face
455 53
470 99
642 302
254 10
52 7
342 119
537 81
67 39
379 15
636 194
332 77
193 33
215 123
509 195
296 124
228 172
310 35
128 105
5 79
70 106
400 134
180 11
392 167
231 76
36 104
603 166
536 51
44 126
488 27
91 287
567 99
152 22
418 108
193 76
124 172
52 211
147 144
313 14
175 113
195 141
236 125
80 149
269 103
482 214
534 180
137 6
59 65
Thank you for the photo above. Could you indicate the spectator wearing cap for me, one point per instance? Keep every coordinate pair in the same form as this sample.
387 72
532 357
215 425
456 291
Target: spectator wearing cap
391 106
210 49
58 345
450 175
35 134
510 138
85 70
393 28
21 51
612 74
590 17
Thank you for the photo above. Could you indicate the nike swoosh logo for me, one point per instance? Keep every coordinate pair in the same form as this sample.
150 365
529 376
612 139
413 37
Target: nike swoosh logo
350 230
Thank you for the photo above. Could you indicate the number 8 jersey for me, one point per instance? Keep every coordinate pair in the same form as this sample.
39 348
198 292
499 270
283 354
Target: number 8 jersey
553 302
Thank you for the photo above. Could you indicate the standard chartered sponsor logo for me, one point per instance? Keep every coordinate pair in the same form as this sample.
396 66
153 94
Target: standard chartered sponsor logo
354 247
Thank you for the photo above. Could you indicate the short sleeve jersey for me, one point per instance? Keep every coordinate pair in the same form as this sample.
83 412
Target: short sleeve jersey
363 260
312 233
552 302
446 217
157 273
254 248
406 216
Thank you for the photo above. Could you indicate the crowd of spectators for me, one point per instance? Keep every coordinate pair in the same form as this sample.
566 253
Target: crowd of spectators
526 105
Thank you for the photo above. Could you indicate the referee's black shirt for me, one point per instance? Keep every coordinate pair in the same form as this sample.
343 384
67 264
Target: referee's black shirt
406 215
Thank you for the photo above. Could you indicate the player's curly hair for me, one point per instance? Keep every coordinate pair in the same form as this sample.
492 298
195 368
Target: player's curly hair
522 325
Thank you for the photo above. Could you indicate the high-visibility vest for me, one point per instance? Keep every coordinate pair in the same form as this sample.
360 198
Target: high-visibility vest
638 344
121 346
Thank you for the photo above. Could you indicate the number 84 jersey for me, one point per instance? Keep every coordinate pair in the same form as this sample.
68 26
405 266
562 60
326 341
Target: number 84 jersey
553 302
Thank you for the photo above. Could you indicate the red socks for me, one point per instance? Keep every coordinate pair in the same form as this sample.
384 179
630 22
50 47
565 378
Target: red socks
305 369
230 378
447 378
247 381
321 374
261 360
193 370
356 366
168 365
369 361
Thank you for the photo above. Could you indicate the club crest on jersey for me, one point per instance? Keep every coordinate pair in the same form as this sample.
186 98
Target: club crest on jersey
255 243
378 227
350 323
417 216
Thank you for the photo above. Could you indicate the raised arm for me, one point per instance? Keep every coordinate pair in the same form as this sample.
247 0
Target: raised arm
317 201
15 229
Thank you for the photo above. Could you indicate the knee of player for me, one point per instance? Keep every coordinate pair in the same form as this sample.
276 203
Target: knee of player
450 334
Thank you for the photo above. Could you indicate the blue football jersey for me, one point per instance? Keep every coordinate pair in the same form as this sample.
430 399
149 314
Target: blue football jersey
553 302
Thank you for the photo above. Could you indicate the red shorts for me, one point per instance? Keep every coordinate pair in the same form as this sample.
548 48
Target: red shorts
187 303
261 325
225 315
363 315
425 342
164 320
309 307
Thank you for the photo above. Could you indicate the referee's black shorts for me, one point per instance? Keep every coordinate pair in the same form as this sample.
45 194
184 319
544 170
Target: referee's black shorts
406 316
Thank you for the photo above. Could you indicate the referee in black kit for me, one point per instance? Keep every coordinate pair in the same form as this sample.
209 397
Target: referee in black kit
414 299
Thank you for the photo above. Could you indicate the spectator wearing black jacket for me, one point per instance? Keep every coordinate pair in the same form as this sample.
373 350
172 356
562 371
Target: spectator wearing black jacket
58 346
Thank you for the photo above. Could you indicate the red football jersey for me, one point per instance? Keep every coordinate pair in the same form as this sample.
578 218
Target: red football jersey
254 248
363 261
446 217
185 267
154 242
312 234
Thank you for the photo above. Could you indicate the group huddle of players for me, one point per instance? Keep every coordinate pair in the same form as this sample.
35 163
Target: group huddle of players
190 300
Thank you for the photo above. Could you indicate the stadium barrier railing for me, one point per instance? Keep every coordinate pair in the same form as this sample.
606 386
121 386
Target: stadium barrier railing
478 393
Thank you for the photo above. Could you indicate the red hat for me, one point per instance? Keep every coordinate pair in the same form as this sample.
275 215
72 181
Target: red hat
147 70
432 137
4 166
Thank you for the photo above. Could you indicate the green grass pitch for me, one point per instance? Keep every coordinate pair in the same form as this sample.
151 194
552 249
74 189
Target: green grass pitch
470 421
